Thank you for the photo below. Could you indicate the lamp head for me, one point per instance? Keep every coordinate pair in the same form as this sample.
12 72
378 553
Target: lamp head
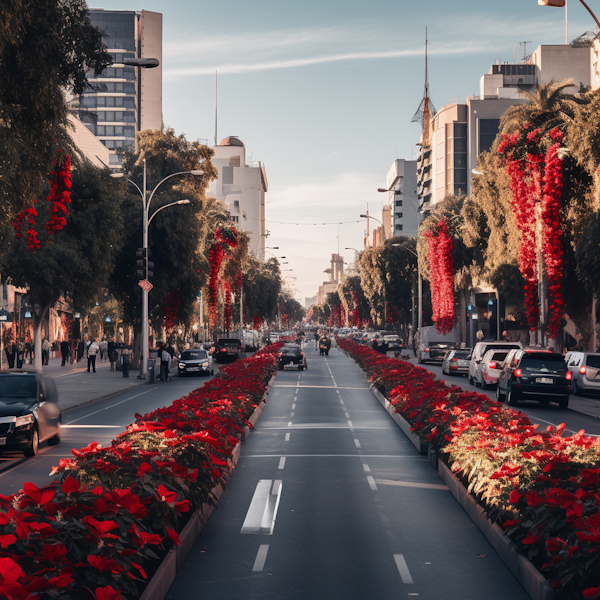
196 172
383 190
117 175
363 216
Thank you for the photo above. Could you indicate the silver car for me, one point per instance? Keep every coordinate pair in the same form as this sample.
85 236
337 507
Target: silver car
456 362
480 349
585 367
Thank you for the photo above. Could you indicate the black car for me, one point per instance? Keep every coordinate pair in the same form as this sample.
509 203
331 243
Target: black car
29 412
194 362
534 375
227 350
291 355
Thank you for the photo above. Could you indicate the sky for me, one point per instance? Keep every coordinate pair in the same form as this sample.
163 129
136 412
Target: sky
323 93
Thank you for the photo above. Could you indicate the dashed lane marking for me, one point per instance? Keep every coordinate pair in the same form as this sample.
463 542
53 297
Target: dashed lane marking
290 424
262 512
403 568
261 557
350 423
287 437
372 483
366 468
281 463
357 443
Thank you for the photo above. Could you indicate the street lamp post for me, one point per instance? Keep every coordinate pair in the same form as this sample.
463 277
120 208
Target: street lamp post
146 219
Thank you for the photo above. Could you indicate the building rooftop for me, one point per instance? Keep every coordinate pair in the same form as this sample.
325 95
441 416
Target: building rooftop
231 141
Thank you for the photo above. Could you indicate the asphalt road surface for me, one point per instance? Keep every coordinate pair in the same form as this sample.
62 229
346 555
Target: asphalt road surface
331 501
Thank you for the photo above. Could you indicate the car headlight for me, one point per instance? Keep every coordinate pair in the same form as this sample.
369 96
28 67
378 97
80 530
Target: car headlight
204 362
24 420
182 365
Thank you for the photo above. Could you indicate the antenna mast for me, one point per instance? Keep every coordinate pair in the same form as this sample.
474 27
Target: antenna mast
426 109
215 108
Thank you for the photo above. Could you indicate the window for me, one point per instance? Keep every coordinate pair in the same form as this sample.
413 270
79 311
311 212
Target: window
101 130
398 203
236 204
398 215
110 101
228 175
110 130
398 227
488 130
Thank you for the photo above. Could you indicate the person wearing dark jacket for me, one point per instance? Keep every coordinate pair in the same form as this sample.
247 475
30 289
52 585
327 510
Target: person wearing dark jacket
64 350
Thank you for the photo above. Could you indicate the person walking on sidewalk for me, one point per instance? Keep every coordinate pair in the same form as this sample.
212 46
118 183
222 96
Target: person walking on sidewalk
64 350
45 351
126 354
165 362
20 353
103 349
93 350
112 354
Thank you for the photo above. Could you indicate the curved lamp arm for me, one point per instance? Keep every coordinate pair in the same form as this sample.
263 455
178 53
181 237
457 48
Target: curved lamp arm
193 172
166 206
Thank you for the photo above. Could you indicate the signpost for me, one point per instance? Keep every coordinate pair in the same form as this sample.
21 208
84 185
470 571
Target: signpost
145 285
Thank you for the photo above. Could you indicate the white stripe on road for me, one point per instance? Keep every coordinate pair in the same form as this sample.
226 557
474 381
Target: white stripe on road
262 512
346 415
403 568
287 437
350 424
295 398
261 557
281 463
93 426
292 414
290 424
372 483
342 402
111 406
357 443
366 468
293 406
411 484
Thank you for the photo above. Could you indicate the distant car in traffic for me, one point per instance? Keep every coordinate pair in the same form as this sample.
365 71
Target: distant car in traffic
456 362
585 367
29 411
393 342
227 350
194 362
534 375
291 355
481 348
490 368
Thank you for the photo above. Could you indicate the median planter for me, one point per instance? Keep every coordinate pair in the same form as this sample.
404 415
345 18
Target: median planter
538 490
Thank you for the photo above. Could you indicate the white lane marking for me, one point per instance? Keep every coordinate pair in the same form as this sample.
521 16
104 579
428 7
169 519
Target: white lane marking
93 426
290 424
366 468
111 406
346 415
293 406
338 392
292 414
342 402
296 391
295 398
327 387
357 443
372 483
281 463
411 484
287 437
403 568
262 512
261 557
403 456
350 424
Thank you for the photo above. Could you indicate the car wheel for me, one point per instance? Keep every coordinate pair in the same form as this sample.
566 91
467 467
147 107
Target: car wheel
499 397
55 439
510 398
564 403
575 389
34 444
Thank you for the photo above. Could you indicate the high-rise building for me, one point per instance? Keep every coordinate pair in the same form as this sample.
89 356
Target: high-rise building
123 99
401 180
241 186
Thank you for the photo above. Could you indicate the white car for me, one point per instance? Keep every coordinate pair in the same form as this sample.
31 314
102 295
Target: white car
490 368
480 350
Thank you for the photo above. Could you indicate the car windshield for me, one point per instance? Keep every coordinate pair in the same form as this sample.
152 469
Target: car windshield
461 354
499 356
291 350
15 386
544 363
593 361
193 355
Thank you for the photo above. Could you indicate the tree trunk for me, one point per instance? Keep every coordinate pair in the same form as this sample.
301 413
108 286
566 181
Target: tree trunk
462 304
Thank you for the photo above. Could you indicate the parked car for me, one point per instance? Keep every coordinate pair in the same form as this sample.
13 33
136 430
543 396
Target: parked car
456 362
534 375
194 362
291 355
227 350
481 348
393 341
490 368
29 412
585 368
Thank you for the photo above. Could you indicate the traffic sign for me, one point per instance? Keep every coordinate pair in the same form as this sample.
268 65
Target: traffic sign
145 285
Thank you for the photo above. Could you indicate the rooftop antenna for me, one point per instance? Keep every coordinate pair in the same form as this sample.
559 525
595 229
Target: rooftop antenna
515 56
426 109
524 44
499 62
215 108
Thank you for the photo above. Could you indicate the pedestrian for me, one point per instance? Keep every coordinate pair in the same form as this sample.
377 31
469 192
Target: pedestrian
171 352
45 351
28 352
80 350
126 355
316 336
64 350
20 353
103 349
112 354
165 361
92 352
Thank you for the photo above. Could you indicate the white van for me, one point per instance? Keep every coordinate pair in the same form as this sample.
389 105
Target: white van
480 349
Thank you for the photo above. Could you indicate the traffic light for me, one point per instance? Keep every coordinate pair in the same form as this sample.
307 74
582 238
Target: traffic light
145 267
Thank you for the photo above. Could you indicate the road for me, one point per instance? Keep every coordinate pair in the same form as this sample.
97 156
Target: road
550 414
100 421
331 501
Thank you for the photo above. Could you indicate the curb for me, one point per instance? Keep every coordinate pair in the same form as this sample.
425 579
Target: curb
534 583
163 578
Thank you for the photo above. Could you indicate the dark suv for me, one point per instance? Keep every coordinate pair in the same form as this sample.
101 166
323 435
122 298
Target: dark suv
227 350
291 355
534 375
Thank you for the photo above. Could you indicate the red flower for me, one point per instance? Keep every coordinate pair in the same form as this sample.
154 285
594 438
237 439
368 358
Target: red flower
591 592
107 593
173 535
70 485
104 564
166 495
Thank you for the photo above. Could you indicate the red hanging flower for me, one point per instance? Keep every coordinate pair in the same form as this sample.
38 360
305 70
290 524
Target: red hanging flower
171 309
27 214
60 196
225 240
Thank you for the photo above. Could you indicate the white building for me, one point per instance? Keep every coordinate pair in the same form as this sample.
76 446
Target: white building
123 99
402 181
241 187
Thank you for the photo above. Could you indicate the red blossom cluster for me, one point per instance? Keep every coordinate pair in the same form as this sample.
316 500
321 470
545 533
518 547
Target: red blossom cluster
536 179
28 214
97 532
441 268
225 241
226 305
542 487
60 195
171 309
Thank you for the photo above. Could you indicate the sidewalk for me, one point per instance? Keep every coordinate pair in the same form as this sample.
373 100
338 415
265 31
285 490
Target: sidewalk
76 386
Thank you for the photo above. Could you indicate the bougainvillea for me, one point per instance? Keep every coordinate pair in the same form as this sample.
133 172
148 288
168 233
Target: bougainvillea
225 241
227 305
171 309
441 263
27 214
60 195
